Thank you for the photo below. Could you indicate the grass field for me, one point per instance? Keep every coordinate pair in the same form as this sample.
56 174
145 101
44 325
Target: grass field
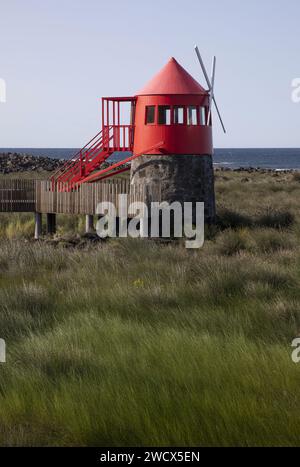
131 342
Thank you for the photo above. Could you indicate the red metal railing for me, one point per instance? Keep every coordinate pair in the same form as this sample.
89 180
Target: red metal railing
115 168
114 136
110 139
120 137
72 162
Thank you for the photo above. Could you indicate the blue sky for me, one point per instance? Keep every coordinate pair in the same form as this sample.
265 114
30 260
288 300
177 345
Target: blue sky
59 57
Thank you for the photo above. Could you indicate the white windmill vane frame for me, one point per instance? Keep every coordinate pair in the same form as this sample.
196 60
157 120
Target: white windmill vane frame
210 83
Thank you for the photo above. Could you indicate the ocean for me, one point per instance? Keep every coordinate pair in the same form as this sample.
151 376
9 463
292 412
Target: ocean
273 158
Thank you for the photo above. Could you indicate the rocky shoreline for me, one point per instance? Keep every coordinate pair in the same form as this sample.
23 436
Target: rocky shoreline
14 162
253 170
11 162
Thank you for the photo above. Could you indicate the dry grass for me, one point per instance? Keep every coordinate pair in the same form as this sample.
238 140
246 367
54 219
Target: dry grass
131 342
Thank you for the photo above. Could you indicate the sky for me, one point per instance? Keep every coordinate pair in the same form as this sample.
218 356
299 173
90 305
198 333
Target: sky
58 57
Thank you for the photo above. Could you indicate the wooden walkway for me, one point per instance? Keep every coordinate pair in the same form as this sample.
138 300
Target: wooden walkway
43 197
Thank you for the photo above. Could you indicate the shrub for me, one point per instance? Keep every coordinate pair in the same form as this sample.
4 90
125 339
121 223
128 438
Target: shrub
276 219
233 242
270 240
231 219
19 229
296 176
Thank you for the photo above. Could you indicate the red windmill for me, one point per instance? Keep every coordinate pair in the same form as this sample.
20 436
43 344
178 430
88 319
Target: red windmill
171 115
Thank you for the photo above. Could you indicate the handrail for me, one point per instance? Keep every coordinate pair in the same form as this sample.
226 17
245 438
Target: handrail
72 166
74 171
95 152
65 177
97 140
78 153
98 175
122 132
74 161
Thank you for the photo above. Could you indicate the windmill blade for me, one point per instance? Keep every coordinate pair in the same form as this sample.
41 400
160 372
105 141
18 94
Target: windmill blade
219 115
203 67
209 85
211 95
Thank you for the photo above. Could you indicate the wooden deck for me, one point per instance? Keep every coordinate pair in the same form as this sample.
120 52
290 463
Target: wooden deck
40 196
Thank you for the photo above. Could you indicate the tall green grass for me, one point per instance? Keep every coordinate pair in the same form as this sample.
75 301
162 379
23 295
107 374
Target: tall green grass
131 342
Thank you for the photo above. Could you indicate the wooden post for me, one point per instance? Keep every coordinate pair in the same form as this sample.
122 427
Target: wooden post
51 223
38 225
89 223
118 226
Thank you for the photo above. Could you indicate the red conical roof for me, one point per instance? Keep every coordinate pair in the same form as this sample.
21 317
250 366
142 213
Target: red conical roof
172 79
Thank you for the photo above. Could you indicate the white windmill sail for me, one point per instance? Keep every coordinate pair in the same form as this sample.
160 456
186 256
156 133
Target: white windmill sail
210 84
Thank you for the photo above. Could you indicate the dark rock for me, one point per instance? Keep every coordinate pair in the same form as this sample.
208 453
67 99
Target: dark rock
20 162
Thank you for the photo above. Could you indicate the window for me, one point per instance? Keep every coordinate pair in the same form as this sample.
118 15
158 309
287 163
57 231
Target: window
164 115
178 115
192 115
150 114
202 115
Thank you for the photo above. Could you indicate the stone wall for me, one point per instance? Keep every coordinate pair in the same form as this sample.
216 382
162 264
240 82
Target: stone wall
182 177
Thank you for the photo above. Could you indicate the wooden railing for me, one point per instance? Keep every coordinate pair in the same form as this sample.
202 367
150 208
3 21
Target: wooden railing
17 195
42 196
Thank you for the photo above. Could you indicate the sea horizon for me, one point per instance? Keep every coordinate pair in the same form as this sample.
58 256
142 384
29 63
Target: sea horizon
266 158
